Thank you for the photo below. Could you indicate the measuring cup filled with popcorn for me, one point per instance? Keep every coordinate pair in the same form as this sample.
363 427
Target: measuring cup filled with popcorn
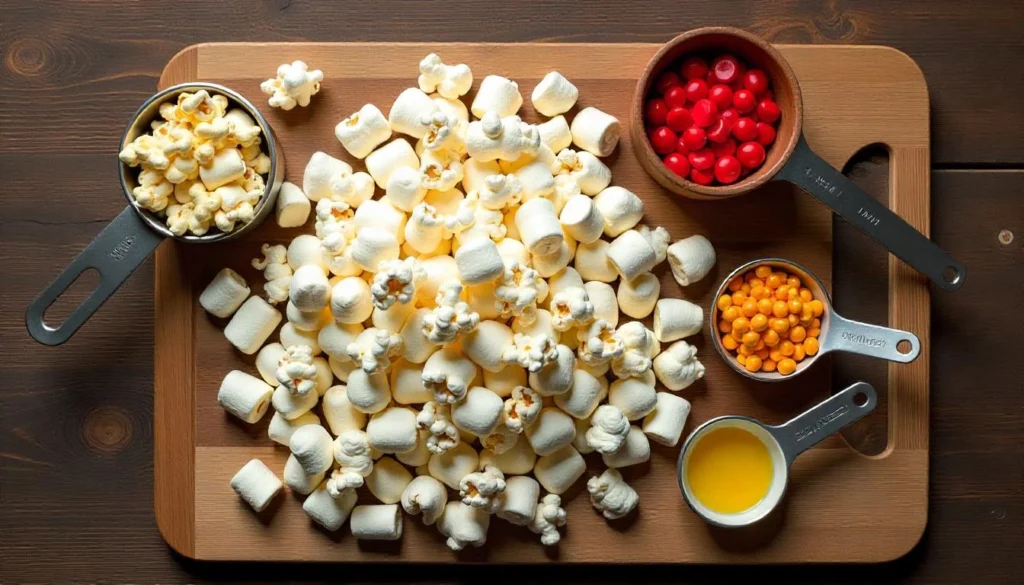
198 164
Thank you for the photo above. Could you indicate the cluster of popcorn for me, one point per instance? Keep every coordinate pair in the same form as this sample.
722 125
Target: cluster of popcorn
201 166
476 332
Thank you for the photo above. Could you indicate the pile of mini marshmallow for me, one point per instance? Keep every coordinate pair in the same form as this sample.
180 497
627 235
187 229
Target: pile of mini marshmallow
201 166
473 330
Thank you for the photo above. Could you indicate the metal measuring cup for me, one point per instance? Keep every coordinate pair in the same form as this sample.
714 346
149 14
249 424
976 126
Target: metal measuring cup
837 332
132 236
784 443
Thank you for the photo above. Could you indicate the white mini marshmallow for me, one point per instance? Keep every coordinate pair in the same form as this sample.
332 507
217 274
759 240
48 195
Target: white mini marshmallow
313 447
505 380
393 430
482 489
552 430
341 369
244 396
559 470
584 396
388 480
405 188
635 450
449 81
416 347
439 270
294 85
587 170
621 209
665 423
519 459
592 262
326 177
595 131
551 264
454 464
376 522
383 215
535 179
407 383
580 441
479 413
411 113
675 319
363 131
496 94
225 293
447 373
424 231
478 261
339 413
557 376
563 280
539 228
226 167
291 335
328 511
637 297
503 138
611 495
631 255
555 133
486 344
369 393
296 478
540 325
293 206
658 238
309 290
419 455
351 302
582 219
633 396
677 367
256 484
372 246
426 496
334 339
383 161
393 318
691 259
307 320
291 405
252 324
307 249
267 360
518 503
463 525
476 171
555 95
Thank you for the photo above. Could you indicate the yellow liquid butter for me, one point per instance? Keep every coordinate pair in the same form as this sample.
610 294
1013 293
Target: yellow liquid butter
729 470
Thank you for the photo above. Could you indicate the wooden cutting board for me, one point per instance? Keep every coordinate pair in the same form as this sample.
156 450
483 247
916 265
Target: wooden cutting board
842 506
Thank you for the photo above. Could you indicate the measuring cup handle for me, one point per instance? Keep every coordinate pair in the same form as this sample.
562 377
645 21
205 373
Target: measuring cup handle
811 173
120 248
870 340
824 420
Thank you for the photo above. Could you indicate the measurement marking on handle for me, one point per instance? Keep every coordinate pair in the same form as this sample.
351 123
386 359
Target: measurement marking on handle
824 183
872 219
863 339
120 251
809 430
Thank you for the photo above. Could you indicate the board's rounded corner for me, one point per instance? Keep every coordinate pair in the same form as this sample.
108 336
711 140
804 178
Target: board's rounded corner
907 545
178 542
181 67
913 67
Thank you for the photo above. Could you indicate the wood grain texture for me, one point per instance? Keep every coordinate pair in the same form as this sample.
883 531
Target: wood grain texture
889 491
73 72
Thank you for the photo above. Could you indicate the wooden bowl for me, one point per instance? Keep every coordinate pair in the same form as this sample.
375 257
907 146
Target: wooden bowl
756 52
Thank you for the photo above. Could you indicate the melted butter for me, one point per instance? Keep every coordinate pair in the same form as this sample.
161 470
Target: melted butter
729 470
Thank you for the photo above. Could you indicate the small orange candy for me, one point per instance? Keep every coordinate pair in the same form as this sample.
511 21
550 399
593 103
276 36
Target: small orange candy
750 339
773 281
817 307
756 282
796 306
779 326
764 306
737 335
758 322
735 284
793 282
729 343
753 363
811 346
760 345
782 293
798 352
762 353
813 332
757 291
787 348
741 324
725 326
745 288
763 271
742 359
797 334
768 365
816 323
771 338
724 302
786 366
731 314
780 309
749 307
805 295
776 355
793 320
738 297
745 350
749 276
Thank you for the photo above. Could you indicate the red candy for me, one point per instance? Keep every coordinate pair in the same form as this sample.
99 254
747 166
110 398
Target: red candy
702 177
745 129
751 155
681 147
696 89
768 111
694 68
756 81
731 115
656 112
721 94
702 159
720 130
765 134
704 113
678 164
663 139
727 170
678 119
726 69
744 101
694 138
675 97
666 81
724 148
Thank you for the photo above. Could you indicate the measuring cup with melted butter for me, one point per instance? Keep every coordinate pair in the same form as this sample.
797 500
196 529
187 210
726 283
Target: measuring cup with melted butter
733 470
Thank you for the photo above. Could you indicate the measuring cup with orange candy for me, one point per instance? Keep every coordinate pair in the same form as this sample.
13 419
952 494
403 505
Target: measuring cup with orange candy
772 320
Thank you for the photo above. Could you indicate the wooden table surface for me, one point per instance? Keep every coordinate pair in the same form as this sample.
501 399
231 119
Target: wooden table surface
76 420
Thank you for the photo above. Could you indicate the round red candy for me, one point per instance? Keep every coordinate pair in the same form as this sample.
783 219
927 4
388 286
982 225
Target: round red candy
719 131
745 129
765 134
726 69
696 89
678 164
681 147
678 119
702 177
694 138
756 81
702 159
694 68
675 97
750 155
768 111
656 112
727 170
663 140
666 81
730 114
744 101
721 94
724 148
704 113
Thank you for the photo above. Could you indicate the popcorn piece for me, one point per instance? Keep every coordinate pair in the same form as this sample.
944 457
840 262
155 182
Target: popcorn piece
637 297
312 447
550 516
226 167
675 319
396 281
592 262
294 85
446 132
351 301
441 169
448 374
500 440
634 451
266 361
557 376
291 405
531 352
451 317
552 430
496 137
295 370
555 95
225 293
482 489
339 413
487 344
587 170
500 191
416 347
393 430
296 478
498 95
383 161
658 238
691 259
244 396
237 206
405 188
435 418
334 339
449 81
582 219
376 522
292 206
328 511
369 393
290 335
539 228
677 367
153 192
427 496
411 113
611 495
609 428
256 484
251 325
518 503
571 308
633 396
640 346
595 131
555 133
464 525
522 408
505 380
519 291
584 395
425 229
454 464
363 131
665 423
476 171
479 412
354 456
388 480
518 459
478 261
